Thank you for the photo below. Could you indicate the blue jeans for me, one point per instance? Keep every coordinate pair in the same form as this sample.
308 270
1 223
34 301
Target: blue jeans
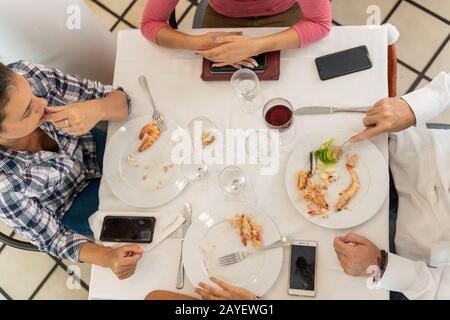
86 203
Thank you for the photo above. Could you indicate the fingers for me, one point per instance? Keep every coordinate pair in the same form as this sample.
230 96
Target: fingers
341 247
355 238
368 133
56 117
125 250
226 39
205 295
249 63
370 120
221 284
49 109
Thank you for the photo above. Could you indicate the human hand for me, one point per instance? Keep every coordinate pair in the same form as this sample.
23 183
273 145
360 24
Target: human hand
209 40
230 50
356 253
123 260
75 119
227 291
387 115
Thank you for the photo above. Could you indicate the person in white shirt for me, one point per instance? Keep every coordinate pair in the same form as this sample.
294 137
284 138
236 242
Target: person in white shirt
420 165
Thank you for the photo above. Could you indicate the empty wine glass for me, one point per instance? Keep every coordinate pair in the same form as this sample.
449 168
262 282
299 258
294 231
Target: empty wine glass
278 114
194 172
258 146
232 180
246 84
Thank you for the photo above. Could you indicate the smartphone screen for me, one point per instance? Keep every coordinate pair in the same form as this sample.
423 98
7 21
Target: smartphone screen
128 229
261 59
302 269
343 62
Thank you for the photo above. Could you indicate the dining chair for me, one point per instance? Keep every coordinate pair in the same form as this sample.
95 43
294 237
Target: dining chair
14 243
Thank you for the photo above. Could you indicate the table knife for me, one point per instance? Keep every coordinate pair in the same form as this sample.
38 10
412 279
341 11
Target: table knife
187 214
328 110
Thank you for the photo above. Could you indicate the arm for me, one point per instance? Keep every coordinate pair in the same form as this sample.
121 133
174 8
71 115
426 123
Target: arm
396 114
428 102
315 25
155 28
28 218
415 280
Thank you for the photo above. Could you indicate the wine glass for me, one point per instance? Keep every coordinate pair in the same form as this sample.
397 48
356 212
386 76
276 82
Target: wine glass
206 135
194 172
233 181
279 115
246 84
258 146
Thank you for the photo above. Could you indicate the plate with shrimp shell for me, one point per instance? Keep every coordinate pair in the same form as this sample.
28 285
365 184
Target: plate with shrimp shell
212 235
143 177
371 169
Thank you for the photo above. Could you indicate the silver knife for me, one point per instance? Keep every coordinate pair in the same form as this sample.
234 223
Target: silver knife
187 214
328 110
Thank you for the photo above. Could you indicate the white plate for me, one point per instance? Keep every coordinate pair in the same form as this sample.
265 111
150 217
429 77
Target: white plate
211 236
155 180
373 174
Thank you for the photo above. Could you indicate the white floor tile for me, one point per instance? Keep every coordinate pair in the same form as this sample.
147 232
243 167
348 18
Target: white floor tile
188 20
118 6
420 34
104 16
120 26
441 7
134 16
354 12
57 288
22 271
442 62
405 79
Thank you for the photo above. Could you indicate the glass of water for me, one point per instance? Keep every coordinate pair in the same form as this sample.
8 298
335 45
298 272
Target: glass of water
246 84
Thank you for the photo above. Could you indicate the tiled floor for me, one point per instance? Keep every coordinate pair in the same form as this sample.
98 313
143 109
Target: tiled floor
423 51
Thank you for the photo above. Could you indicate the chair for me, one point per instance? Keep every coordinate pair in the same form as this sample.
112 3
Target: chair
199 14
10 241
42 32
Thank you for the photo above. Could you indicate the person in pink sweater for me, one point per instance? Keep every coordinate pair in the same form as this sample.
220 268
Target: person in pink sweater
309 21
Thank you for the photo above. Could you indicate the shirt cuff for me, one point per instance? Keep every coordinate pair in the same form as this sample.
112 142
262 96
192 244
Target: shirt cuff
399 274
126 96
429 101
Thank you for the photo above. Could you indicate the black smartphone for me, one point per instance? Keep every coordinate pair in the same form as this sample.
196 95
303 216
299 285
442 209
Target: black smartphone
343 62
261 59
302 272
128 229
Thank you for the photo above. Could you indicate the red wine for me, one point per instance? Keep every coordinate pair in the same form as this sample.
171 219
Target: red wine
278 116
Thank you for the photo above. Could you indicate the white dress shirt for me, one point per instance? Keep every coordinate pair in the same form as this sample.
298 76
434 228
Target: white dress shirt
420 164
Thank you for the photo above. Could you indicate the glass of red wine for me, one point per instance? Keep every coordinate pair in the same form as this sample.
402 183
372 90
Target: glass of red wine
279 115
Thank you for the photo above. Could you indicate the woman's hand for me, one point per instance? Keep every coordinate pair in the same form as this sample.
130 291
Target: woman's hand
227 292
75 119
230 50
123 260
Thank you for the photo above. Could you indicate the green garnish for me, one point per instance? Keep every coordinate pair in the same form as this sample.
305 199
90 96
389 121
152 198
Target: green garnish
326 153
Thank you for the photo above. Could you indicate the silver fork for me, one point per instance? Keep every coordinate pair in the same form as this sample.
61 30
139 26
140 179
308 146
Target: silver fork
236 257
157 116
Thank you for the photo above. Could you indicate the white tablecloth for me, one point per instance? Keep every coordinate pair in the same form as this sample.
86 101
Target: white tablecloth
174 78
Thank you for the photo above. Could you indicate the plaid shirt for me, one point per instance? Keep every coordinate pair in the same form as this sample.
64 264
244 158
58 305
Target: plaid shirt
37 189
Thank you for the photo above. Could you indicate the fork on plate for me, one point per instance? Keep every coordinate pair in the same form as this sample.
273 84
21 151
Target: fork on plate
236 257
158 118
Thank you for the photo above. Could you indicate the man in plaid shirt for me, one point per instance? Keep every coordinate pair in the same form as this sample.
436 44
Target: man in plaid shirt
49 168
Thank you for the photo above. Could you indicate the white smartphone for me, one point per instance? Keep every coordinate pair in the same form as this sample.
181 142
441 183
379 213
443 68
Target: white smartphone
302 274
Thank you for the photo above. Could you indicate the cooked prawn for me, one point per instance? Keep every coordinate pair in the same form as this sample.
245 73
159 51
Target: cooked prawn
353 188
149 134
302 179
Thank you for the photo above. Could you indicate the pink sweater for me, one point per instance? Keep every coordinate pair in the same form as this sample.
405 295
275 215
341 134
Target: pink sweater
314 26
